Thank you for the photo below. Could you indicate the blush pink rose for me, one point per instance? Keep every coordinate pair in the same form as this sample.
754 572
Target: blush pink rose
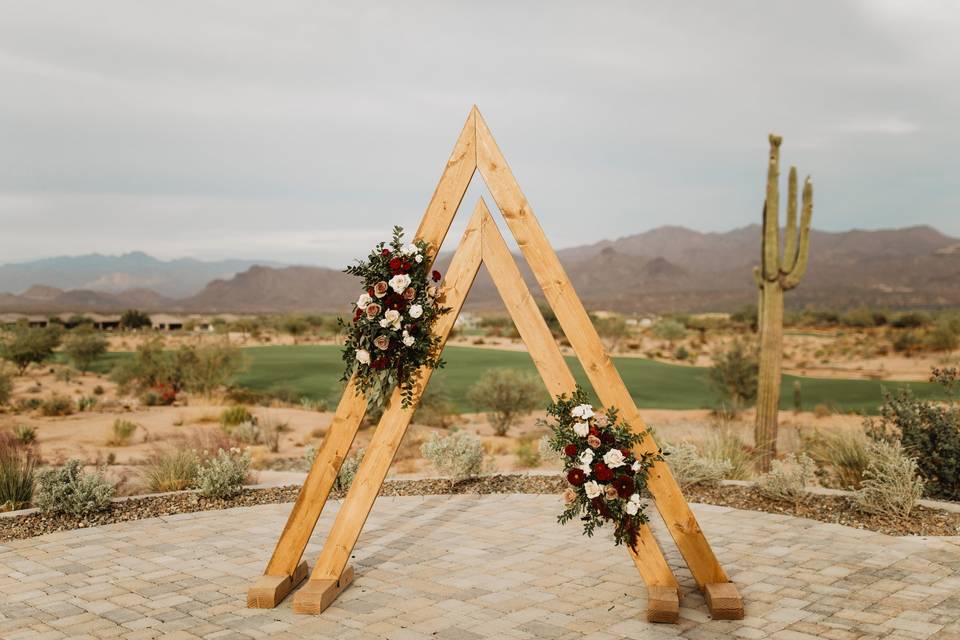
569 495
409 293
593 441
373 310
381 342
380 289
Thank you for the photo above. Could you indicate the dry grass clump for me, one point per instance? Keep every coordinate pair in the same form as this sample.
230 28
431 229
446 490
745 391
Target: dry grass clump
788 479
842 457
725 446
691 468
891 485
123 431
18 462
171 470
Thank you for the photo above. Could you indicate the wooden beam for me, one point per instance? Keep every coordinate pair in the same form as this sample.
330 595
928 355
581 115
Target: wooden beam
285 561
558 378
583 337
383 446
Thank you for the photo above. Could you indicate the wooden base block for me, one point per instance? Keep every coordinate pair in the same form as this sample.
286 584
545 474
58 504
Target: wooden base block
269 591
724 601
317 595
663 605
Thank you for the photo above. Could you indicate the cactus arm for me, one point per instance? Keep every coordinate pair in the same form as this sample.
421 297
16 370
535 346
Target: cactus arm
757 277
792 279
790 242
771 218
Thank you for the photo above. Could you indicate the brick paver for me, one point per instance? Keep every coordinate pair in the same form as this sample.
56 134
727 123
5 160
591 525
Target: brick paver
472 567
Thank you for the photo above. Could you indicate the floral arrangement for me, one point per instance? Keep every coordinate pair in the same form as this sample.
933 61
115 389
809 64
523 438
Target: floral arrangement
390 336
607 479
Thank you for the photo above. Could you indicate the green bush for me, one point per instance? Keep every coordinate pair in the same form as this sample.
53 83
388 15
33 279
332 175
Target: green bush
458 456
57 405
134 319
25 434
507 394
197 369
173 470
223 475
17 464
235 415
123 431
734 376
681 353
528 454
890 483
928 430
669 330
943 336
86 403
84 346
435 408
910 320
6 386
26 346
71 491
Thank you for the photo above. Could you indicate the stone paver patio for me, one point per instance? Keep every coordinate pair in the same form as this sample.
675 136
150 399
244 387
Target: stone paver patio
468 567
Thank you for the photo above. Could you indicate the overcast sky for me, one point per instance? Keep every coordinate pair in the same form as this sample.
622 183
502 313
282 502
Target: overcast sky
301 131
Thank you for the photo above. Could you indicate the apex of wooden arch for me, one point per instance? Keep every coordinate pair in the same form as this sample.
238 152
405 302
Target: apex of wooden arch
482 243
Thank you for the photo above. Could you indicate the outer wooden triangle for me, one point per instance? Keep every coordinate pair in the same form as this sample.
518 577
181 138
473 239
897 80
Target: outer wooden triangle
482 242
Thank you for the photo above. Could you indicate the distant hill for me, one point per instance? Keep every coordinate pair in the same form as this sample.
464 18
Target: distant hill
114 274
665 269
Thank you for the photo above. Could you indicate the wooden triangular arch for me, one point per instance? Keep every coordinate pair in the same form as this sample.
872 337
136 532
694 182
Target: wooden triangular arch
483 243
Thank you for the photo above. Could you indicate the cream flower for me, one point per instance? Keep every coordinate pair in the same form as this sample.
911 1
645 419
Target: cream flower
363 356
587 470
593 489
633 505
399 282
363 301
380 289
587 456
569 495
391 319
610 492
419 258
581 429
408 339
583 411
613 458
410 250
382 342
415 311
636 466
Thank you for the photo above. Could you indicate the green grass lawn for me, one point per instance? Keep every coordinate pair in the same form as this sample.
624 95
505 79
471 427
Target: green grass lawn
314 371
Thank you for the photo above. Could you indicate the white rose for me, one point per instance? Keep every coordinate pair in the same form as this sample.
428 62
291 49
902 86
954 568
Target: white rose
399 282
415 311
391 319
587 456
633 506
581 429
408 339
613 458
587 411
586 469
419 258
592 489
636 466
577 411
363 301
410 250
363 356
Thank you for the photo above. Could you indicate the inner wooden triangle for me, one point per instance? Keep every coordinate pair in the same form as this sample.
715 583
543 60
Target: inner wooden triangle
483 243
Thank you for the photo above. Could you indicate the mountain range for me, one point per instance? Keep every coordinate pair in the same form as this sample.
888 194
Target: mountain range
666 269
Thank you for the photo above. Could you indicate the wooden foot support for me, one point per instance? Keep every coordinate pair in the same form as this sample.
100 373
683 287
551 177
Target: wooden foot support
724 601
663 604
317 595
268 591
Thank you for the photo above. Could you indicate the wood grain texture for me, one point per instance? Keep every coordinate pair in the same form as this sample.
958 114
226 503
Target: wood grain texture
383 446
604 377
317 595
663 605
724 601
269 591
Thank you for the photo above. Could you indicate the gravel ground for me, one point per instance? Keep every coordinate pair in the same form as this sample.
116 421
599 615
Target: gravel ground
836 509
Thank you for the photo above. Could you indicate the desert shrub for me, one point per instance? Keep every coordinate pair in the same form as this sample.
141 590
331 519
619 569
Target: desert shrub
348 470
235 415
507 394
24 405
943 336
928 430
669 330
734 376
248 432
681 353
223 475
271 428
528 455
907 342
285 394
194 368
17 464
6 386
724 446
890 483
57 405
123 431
86 403
314 405
26 346
84 346
787 479
134 319
547 453
207 367
797 396
821 411
746 316
612 329
98 390
245 395
71 491
691 468
435 408
173 470
64 374
25 434
910 320
458 456
860 318
841 458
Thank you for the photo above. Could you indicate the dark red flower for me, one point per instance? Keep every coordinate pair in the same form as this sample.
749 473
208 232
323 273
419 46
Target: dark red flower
436 276
570 450
385 252
624 486
357 314
380 363
594 431
606 437
395 264
576 477
395 301
602 472
405 266
626 452
601 506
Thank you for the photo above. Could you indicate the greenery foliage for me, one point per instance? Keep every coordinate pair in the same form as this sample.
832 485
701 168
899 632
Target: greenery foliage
84 345
26 346
134 319
734 376
507 395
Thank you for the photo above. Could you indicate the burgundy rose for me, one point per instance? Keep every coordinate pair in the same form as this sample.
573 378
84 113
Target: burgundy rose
570 450
370 291
594 431
373 310
602 472
395 264
380 289
576 477
395 301
380 363
626 452
357 314
436 276
606 437
382 342
385 252
409 293
624 486
601 506
405 266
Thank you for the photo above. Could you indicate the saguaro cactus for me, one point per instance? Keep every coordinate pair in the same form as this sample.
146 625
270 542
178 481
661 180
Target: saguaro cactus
777 273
